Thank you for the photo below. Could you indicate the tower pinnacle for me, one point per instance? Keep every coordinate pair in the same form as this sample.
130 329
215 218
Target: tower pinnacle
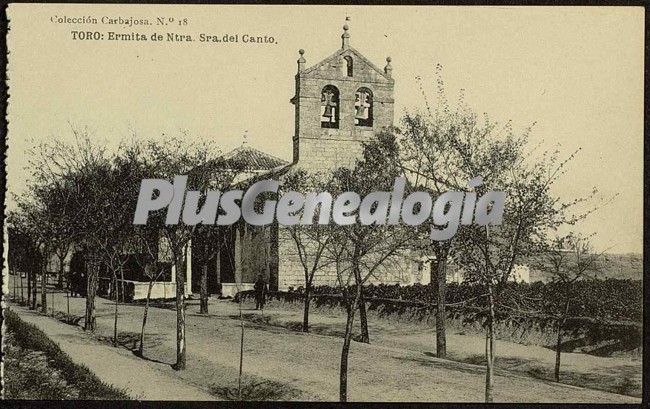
345 37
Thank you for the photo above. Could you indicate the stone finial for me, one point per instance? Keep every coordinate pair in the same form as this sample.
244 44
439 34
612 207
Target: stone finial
388 69
345 37
301 60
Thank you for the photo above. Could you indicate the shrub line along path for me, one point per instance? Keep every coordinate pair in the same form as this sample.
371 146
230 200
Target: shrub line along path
305 365
115 366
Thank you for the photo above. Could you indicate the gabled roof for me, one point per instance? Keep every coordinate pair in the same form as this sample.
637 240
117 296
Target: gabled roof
336 56
252 159
275 173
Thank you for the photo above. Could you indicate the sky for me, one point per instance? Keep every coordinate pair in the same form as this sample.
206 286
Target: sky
577 72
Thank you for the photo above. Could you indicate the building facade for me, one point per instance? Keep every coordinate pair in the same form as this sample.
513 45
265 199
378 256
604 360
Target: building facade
339 103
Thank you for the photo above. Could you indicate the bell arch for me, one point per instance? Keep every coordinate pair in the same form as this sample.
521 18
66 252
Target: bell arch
330 103
363 106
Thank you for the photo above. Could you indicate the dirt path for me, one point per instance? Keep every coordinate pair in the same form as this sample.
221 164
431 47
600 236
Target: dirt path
614 374
115 366
307 363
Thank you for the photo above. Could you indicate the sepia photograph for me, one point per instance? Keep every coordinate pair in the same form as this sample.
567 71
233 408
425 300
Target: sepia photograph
324 203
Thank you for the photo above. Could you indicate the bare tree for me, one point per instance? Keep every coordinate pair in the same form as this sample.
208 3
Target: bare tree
210 239
105 199
361 252
153 270
494 158
450 148
199 163
146 239
311 240
36 220
75 172
426 156
23 254
569 259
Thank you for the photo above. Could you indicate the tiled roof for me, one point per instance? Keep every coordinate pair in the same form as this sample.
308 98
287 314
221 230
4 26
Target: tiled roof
252 159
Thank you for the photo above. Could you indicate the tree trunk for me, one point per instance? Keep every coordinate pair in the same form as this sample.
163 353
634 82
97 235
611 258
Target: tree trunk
489 350
116 295
343 376
441 315
44 288
218 270
58 285
350 308
558 346
122 284
15 282
180 312
67 295
365 336
29 289
52 302
144 317
22 293
241 351
91 289
61 271
34 285
204 289
305 317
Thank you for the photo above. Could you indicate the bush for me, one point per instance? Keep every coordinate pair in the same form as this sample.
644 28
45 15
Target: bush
603 310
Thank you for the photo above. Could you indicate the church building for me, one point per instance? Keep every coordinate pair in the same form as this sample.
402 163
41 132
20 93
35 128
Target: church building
339 102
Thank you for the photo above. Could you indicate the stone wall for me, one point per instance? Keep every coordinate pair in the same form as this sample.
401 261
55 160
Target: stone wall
160 290
404 269
255 253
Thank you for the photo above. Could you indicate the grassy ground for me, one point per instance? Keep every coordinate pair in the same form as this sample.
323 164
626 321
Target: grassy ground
528 354
35 368
283 363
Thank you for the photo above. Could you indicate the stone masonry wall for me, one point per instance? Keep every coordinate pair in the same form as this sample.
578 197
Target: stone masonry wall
404 270
317 148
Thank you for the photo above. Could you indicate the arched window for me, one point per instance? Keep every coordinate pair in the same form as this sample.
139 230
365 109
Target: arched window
363 107
350 65
329 107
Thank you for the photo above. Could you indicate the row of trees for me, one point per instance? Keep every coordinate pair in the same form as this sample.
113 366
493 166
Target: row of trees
83 196
441 150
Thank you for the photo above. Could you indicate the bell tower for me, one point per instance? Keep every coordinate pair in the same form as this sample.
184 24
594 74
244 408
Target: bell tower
339 102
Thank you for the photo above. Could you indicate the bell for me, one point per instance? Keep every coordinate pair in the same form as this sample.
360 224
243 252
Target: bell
361 112
328 111
361 105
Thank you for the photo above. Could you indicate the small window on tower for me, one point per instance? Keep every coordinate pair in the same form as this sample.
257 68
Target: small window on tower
350 65
363 107
329 107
